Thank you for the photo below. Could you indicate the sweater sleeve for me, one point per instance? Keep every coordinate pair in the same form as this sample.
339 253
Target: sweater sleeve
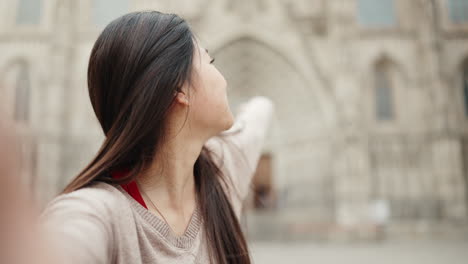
237 150
78 228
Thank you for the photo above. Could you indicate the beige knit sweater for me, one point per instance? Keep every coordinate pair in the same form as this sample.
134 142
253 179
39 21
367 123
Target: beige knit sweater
104 224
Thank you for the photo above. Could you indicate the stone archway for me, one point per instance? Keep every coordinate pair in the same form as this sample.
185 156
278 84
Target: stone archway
298 142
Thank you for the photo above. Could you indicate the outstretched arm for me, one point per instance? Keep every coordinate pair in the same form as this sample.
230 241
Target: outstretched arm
21 241
238 150
69 231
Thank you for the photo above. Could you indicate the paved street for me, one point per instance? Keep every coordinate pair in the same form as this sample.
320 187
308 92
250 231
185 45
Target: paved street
403 252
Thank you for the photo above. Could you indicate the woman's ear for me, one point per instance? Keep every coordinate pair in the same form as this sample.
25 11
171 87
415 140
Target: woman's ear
182 98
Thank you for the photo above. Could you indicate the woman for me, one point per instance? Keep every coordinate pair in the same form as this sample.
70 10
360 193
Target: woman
168 182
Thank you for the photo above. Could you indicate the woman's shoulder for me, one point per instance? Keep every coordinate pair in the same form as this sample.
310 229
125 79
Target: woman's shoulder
81 224
99 199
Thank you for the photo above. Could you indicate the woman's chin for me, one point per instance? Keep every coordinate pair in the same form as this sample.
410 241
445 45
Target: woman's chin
230 121
228 124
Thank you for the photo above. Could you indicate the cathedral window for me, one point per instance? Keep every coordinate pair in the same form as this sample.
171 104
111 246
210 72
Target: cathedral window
383 92
22 94
28 12
376 13
104 11
465 86
458 11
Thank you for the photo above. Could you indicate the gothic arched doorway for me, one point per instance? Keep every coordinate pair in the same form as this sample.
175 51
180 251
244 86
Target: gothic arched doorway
298 146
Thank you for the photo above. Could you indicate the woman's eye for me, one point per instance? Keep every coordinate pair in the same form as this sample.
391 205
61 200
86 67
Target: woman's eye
212 60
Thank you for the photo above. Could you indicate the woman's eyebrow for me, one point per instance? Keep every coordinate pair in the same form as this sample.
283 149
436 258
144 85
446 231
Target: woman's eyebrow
206 50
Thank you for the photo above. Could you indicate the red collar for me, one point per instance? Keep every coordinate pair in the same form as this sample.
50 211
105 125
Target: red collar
131 188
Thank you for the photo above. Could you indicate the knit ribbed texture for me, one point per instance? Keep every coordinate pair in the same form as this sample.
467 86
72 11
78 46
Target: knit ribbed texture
185 241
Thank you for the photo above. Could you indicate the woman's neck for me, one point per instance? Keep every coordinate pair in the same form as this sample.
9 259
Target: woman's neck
169 179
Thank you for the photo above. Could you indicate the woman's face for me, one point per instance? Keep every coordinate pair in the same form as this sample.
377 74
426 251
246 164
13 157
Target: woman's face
209 107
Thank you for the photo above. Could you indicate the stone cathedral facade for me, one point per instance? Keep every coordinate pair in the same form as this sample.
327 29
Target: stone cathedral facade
371 96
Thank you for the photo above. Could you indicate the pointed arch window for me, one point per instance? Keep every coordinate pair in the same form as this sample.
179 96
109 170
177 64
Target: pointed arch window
465 86
384 92
104 11
458 11
376 13
28 12
22 93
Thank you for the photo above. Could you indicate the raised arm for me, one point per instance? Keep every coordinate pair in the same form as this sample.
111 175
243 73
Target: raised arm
238 150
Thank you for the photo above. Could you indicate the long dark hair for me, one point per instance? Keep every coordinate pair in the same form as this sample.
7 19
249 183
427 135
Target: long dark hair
137 65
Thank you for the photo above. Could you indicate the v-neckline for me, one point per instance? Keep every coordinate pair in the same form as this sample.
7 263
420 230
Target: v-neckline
181 241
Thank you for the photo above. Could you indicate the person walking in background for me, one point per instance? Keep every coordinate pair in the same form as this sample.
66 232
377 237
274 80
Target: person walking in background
168 182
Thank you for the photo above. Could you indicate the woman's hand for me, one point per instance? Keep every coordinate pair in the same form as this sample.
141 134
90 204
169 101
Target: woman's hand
20 241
